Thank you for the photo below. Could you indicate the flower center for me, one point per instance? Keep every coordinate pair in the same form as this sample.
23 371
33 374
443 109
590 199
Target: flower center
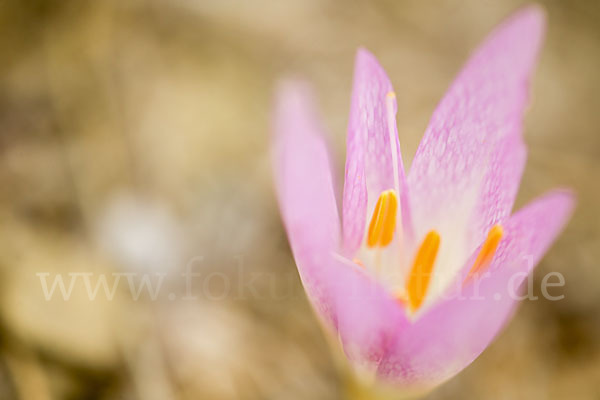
411 287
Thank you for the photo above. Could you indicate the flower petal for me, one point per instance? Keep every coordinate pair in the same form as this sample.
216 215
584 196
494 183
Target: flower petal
373 156
367 320
499 186
464 176
453 333
354 306
304 188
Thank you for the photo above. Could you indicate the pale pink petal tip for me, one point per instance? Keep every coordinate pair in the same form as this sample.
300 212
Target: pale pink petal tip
373 158
305 190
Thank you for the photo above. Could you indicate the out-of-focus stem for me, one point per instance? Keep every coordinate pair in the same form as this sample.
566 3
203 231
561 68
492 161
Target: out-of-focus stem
354 390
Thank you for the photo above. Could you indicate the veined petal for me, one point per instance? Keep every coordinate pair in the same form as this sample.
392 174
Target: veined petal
304 188
454 332
356 307
462 179
499 186
373 159
368 319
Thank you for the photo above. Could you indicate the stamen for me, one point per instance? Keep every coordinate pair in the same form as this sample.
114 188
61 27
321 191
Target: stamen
383 222
420 274
390 105
487 252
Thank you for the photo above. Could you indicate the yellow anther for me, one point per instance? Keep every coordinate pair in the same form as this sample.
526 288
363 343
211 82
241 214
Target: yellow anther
420 274
487 252
358 262
383 222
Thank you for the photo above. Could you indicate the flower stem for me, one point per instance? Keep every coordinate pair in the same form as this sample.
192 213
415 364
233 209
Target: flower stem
354 390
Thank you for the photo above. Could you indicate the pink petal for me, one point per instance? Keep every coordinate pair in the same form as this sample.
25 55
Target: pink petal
304 188
499 186
367 319
354 306
453 333
369 153
461 162
349 300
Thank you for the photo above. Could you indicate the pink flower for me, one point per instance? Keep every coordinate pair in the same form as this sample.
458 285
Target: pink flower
419 275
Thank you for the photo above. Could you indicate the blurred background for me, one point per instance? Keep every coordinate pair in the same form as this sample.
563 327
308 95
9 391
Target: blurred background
134 139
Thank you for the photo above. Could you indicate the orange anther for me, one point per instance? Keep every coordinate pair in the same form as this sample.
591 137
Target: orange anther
487 252
383 222
420 274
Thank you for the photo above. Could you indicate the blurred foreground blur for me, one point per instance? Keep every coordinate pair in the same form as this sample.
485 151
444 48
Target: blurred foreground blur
134 139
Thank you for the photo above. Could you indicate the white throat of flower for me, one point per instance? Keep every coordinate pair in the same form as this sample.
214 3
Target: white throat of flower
417 273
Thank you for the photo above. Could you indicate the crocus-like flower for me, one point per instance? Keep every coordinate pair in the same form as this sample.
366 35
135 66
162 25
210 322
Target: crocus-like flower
420 273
